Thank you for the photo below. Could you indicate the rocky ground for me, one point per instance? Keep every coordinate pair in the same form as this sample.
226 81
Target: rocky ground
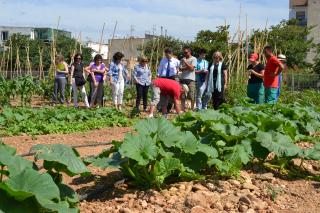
256 189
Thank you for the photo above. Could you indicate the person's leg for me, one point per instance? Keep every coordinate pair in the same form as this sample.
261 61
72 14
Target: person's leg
115 93
55 91
206 100
279 87
165 105
218 99
120 94
192 93
62 85
84 96
145 97
261 98
156 92
250 93
100 94
139 95
75 93
271 95
198 94
94 95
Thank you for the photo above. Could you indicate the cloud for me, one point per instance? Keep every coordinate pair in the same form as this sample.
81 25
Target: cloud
182 18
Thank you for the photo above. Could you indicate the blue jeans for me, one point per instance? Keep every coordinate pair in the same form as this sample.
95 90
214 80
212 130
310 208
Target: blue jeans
201 86
279 88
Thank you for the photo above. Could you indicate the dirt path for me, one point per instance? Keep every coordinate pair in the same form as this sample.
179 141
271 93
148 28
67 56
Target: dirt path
253 192
24 143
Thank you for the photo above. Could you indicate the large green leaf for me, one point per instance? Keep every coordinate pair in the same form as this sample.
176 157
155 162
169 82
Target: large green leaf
188 143
15 164
61 158
229 132
312 153
31 183
160 128
7 149
10 205
106 162
164 168
141 148
281 145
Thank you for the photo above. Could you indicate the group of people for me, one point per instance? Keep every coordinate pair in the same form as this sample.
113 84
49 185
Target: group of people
97 73
176 81
264 82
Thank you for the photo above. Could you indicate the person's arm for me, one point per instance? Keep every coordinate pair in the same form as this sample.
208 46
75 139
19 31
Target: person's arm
177 105
102 71
259 75
187 66
71 74
280 67
160 68
134 75
225 76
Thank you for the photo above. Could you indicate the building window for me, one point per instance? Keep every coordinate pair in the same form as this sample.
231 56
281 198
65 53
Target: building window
4 35
301 17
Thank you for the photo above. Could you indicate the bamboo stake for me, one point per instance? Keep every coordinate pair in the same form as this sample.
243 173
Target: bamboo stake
101 38
28 59
41 74
110 45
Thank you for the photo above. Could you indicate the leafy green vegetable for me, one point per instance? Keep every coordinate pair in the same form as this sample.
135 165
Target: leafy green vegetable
60 158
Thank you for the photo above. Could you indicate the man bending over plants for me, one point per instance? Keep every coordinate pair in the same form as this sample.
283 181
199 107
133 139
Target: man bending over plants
163 90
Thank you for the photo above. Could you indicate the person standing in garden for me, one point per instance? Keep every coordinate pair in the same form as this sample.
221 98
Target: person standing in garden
255 88
117 73
282 76
78 81
216 82
271 76
169 66
60 80
201 73
142 79
165 89
96 70
188 76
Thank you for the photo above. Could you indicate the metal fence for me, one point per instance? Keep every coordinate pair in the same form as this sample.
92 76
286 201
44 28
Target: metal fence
302 81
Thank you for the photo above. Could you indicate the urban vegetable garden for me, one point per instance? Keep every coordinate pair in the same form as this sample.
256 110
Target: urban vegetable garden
240 158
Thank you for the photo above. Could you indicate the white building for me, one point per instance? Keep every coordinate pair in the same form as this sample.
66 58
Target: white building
96 46
308 13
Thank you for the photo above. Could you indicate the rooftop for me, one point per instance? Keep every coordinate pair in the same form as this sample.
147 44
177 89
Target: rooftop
298 3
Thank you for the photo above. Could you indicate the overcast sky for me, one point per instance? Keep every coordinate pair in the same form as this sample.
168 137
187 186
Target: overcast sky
182 18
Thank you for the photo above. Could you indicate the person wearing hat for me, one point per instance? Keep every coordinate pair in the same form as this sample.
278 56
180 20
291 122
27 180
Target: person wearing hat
271 75
255 88
165 89
283 59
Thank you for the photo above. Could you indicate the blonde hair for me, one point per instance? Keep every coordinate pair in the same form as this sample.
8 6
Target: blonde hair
59 59
218 54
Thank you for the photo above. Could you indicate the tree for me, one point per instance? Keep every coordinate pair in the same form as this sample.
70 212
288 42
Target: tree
211 41
288 38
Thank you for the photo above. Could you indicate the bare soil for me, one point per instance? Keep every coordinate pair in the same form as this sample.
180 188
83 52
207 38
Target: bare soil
255 190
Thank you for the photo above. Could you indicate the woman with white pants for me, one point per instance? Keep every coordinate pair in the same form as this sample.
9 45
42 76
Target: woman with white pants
117 73
78 81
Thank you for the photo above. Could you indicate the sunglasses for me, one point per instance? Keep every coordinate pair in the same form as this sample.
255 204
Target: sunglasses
79 58
144 61
186 52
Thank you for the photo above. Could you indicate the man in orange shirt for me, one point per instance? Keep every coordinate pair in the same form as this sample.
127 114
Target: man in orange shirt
271 75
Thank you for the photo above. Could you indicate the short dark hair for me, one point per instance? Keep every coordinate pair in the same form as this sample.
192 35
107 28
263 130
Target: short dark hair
168 51
77 55
118 56
268 47
202 51
97 58
187 48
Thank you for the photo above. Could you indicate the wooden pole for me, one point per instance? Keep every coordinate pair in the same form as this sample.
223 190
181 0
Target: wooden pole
101 38
110 43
